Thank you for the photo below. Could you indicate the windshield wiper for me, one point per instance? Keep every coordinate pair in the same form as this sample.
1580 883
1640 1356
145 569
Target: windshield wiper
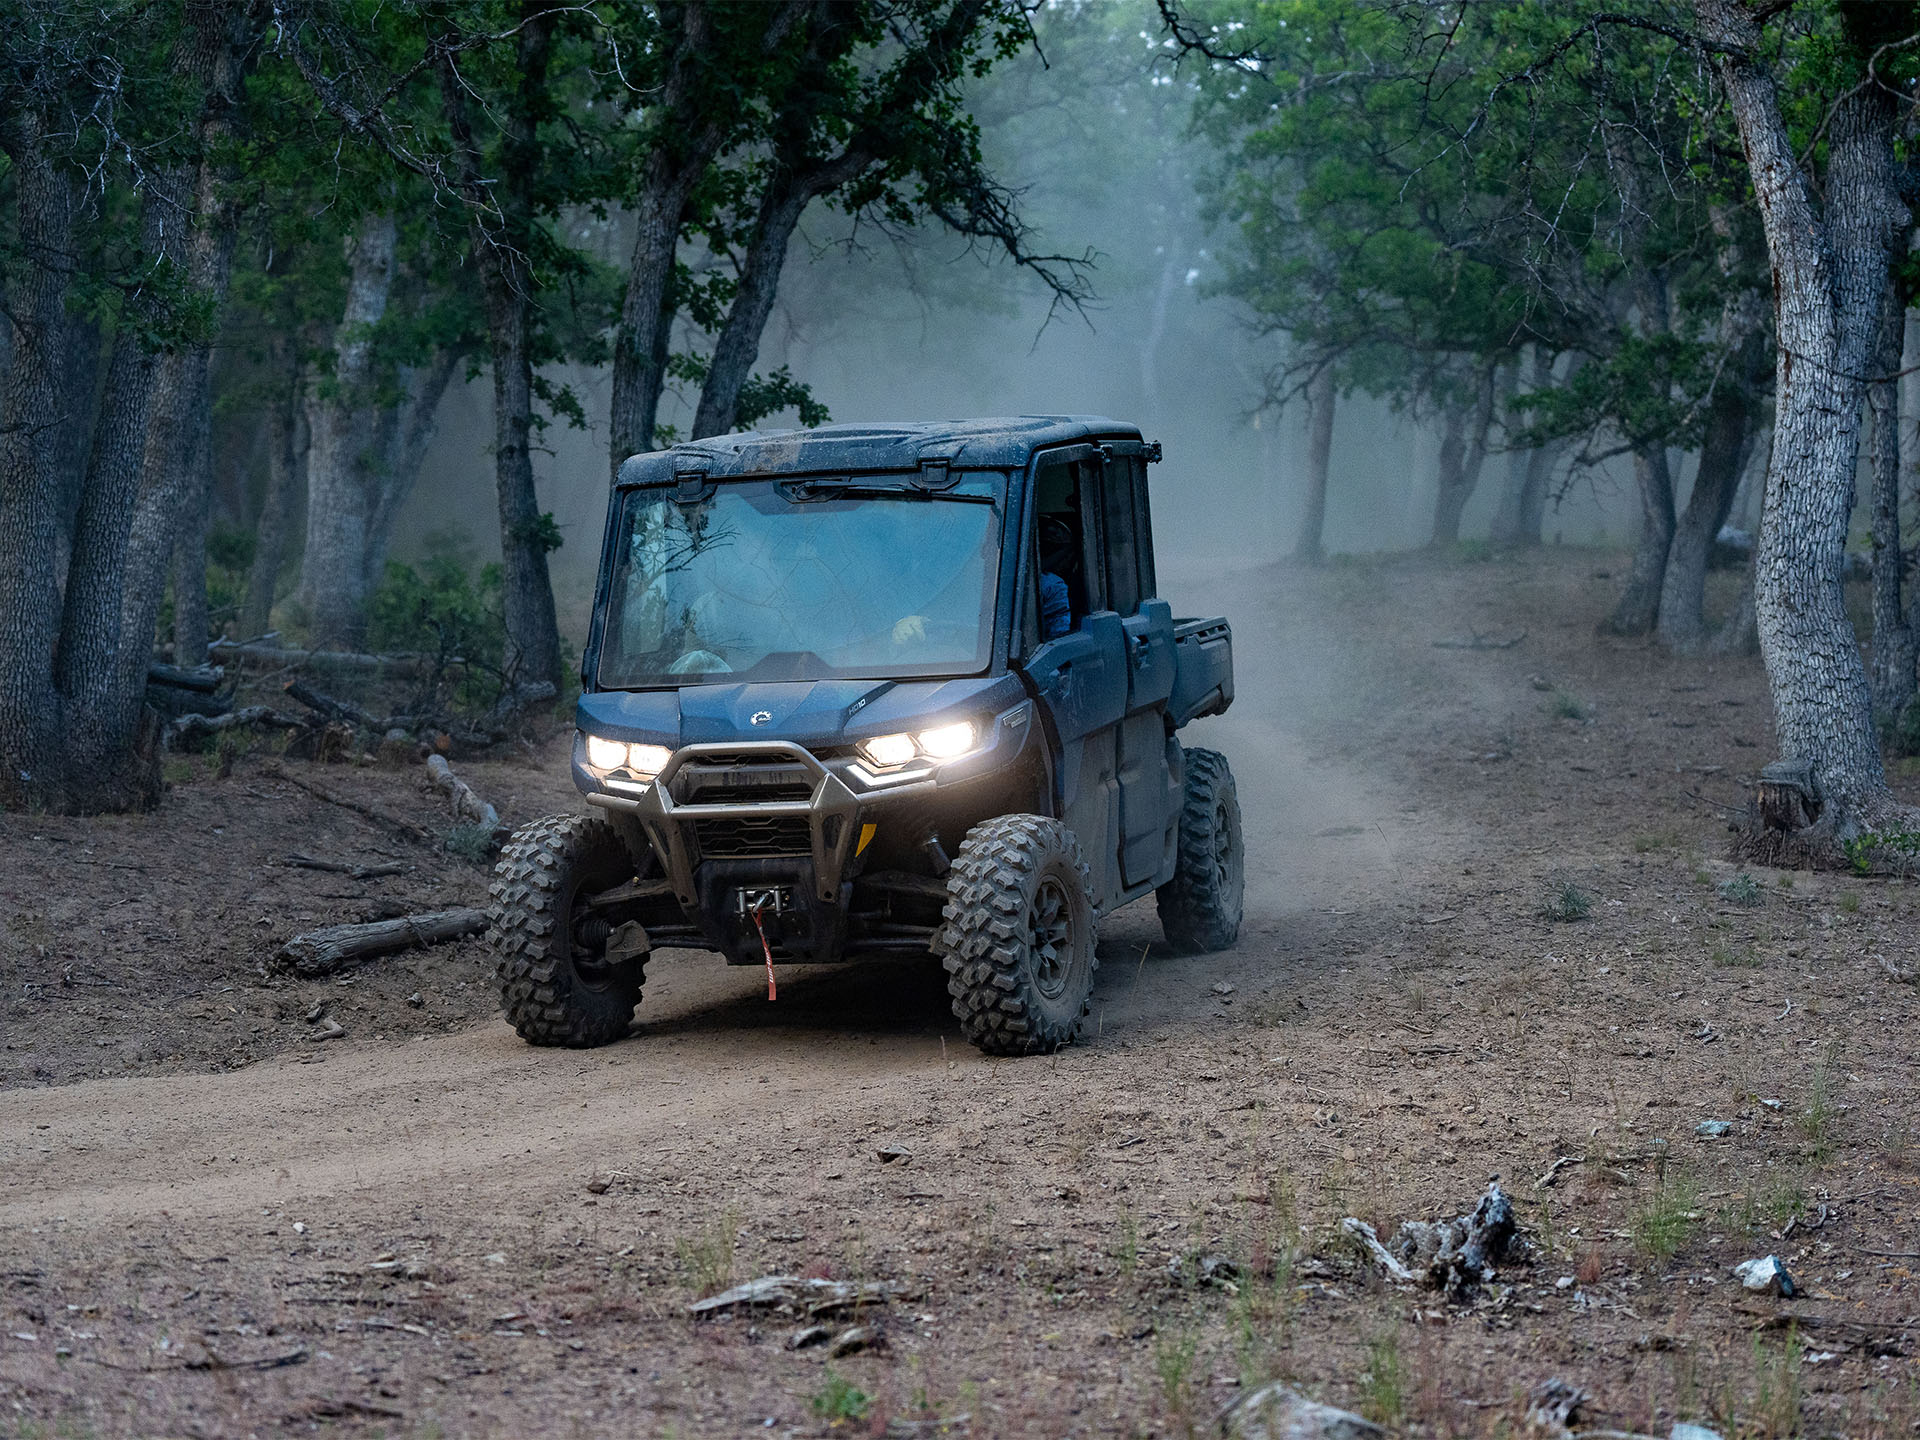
850 487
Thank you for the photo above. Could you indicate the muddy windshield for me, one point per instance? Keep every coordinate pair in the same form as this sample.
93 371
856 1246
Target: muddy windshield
810 579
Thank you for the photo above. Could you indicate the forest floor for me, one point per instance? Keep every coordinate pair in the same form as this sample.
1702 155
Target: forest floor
213 1224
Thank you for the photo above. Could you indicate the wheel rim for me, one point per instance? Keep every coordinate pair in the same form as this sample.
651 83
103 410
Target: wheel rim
1052 938
1223 853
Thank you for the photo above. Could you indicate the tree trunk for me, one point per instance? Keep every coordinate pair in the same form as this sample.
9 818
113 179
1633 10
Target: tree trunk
1639 604
341 456
31 729
533 635
285 457
192 626
79 390
1682 622
1890 669
1829 272
1461 461
1309 548
781 205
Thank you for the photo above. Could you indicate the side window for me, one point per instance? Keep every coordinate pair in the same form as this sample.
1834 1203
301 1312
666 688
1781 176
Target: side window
1122 544
1143 534
1030 600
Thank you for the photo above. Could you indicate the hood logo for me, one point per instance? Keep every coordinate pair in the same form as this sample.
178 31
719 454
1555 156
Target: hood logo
760 717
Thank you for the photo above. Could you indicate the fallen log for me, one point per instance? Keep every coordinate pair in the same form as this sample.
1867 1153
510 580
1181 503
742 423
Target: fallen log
195 726
337 867
335 709
323 951
466 804
203 679
274 657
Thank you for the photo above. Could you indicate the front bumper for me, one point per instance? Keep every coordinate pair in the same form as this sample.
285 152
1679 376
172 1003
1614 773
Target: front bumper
723 849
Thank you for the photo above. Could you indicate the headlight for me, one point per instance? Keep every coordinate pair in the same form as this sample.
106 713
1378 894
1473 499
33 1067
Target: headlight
644 761
948 741
944 742
647 761
888 750
605 754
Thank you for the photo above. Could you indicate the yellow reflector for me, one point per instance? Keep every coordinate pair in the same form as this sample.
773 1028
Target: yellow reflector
866 834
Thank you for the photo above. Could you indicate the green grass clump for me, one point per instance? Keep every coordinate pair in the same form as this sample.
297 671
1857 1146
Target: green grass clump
707 1259
1742 889
1667 1219
1383 1390
839 1399
1566 902
472 843
1565 705
1736 957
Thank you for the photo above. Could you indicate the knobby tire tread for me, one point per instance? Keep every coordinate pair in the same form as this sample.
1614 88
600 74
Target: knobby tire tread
1195 910
538 989
984 940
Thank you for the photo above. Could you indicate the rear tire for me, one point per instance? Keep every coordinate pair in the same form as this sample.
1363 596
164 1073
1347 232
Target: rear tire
1200 906
549 951
1018 936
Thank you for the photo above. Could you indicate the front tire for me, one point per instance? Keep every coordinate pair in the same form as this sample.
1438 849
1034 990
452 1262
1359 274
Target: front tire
1200 906
1018 936
556 984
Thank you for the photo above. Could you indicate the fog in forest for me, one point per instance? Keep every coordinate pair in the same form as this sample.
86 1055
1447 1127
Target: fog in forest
914 326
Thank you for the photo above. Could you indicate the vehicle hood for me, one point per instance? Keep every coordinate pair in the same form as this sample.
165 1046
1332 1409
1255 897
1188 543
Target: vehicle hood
814 713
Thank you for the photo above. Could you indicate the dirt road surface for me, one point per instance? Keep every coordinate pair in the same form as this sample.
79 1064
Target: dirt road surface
213 1224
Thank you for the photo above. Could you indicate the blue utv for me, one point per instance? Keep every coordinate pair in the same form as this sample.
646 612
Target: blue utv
879 690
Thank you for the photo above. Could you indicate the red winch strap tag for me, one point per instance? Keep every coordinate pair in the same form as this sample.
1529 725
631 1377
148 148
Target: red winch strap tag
766 950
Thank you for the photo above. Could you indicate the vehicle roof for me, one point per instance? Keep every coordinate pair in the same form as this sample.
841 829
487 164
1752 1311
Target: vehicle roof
997 443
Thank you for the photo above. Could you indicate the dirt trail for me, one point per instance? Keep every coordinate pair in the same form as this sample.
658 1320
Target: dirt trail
397 1235
480 1110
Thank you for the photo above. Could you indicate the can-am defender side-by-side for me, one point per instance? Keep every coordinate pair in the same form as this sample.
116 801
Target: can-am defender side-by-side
871 690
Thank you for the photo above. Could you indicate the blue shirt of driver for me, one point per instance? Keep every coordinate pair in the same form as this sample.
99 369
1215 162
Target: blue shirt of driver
1056 610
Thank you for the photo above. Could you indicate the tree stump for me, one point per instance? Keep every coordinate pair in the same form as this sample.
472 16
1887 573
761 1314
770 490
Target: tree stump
1787 796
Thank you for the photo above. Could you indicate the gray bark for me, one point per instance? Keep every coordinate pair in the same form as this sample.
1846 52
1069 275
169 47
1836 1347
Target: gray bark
1310 546
1890 667
1829 271
30 713
192 625
342 460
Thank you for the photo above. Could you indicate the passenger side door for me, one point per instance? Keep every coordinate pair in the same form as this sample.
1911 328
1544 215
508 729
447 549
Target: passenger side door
1081 678
1149 801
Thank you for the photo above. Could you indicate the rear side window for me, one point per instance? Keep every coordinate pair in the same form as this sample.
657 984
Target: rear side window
1122 535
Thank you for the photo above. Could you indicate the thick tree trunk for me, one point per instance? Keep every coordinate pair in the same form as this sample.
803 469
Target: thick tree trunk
1890 669
408 432
1829 272
341 459
79 390
285 456
1682 623
1310 546
1462 457
31 730
1639 604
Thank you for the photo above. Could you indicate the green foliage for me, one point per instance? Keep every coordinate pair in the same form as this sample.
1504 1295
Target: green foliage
1566 902
1741 889
707 1258
443 609
1565 705
839 1399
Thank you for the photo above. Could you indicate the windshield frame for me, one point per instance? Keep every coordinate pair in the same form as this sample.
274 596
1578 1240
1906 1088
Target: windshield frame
1001 551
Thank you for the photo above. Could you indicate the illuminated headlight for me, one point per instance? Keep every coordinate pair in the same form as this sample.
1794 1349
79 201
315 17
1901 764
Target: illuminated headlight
888 750
605 754
944 742
644 761
948 741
